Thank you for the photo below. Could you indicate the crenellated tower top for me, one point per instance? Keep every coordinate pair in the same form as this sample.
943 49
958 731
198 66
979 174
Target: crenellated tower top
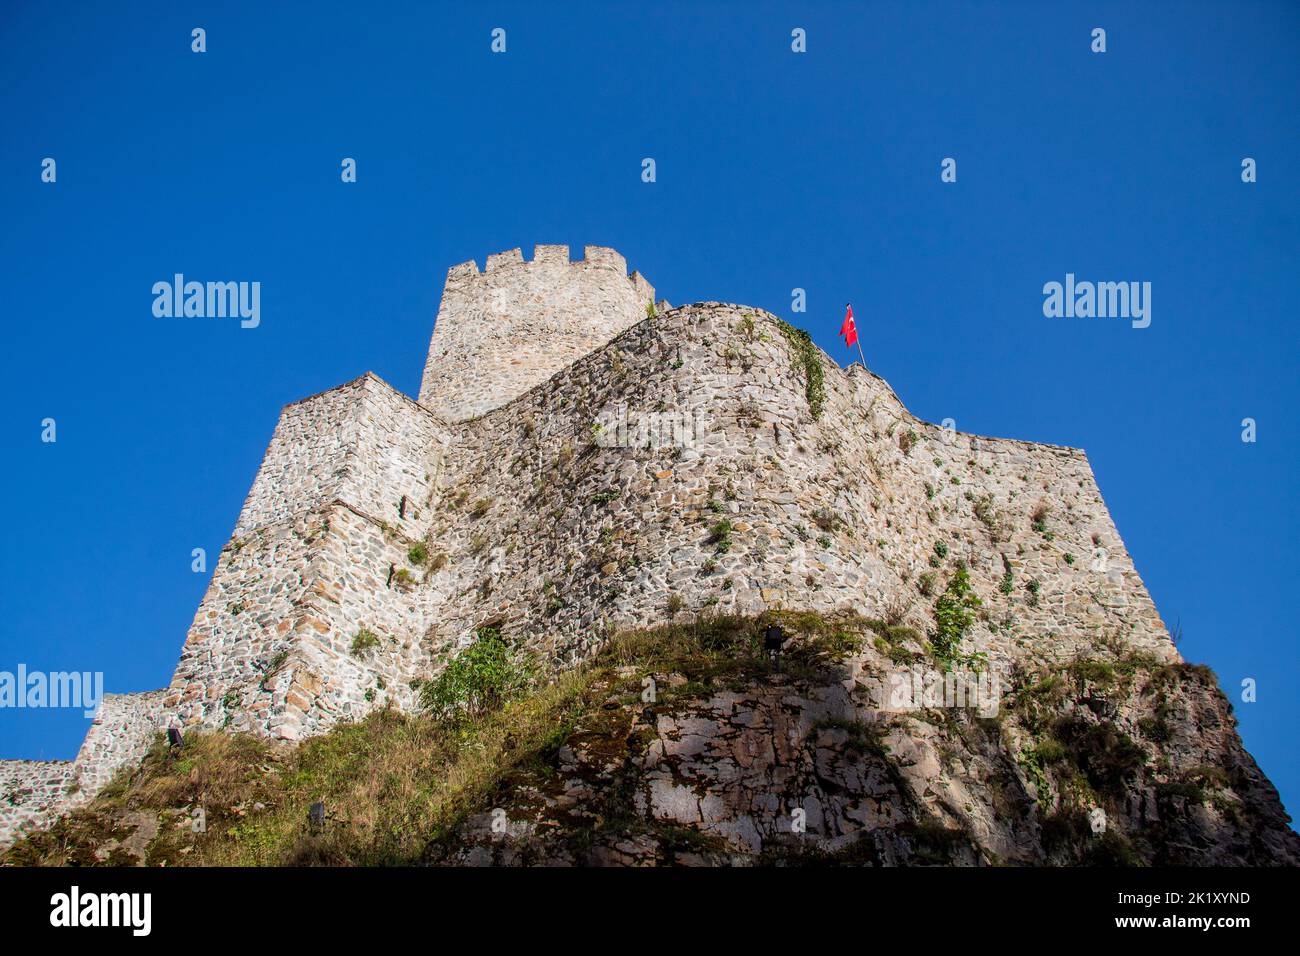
512 326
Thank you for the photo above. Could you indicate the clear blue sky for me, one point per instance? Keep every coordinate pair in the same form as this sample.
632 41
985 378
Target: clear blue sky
775 170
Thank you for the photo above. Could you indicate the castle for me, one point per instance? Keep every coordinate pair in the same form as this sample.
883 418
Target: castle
381 531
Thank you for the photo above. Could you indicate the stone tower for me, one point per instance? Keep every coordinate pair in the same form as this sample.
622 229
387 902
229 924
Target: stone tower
502 331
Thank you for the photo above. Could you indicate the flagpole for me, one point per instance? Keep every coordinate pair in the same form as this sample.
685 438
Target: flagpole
857 339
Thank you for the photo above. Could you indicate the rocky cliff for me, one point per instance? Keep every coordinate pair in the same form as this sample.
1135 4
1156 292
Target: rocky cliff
1111 759
688 745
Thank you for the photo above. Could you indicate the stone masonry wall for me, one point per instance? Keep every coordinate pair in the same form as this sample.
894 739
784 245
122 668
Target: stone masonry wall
362 442
122 733
32 792
343 493
511 327
559 538
328 677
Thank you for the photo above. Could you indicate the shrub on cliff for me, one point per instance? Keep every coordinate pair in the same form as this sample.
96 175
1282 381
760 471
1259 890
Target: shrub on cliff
954 613
480 679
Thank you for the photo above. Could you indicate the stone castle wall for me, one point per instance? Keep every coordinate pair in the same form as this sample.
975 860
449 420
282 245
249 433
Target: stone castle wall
122 733
345 490
513 326
33 792
362 442
581 491
560 538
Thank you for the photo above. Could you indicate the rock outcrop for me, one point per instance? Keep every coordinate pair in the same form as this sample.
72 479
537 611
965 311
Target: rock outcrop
1114 759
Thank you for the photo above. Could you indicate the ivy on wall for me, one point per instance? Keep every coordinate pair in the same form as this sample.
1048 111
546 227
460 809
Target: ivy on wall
806 356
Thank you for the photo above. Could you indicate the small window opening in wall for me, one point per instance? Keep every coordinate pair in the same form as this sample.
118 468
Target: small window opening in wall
401 507
392 569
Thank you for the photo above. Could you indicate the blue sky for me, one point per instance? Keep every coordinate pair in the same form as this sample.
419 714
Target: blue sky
775 170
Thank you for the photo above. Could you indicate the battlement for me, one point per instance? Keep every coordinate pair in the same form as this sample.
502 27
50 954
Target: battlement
592 257
511 326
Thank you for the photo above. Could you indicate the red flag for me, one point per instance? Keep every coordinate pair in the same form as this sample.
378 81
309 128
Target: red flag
850 328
